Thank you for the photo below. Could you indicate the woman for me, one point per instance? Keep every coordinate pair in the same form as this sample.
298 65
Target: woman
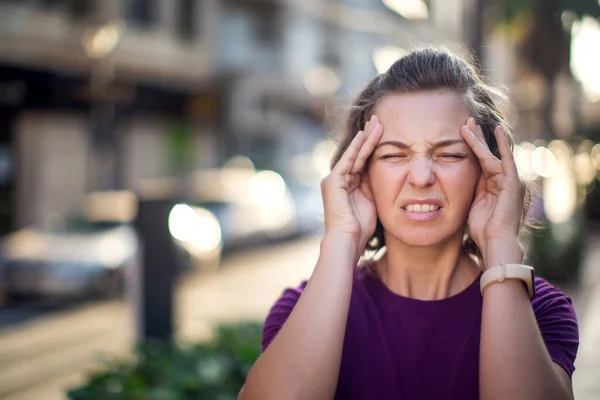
425 174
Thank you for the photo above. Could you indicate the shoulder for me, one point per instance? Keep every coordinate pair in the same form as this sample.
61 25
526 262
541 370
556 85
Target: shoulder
552 306
284 305
549 298
557 321
280 311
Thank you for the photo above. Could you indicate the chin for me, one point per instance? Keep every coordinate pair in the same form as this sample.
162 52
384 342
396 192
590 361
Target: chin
423 237
420 240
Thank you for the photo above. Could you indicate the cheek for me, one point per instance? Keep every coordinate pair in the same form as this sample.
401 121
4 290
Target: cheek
386 179
459 180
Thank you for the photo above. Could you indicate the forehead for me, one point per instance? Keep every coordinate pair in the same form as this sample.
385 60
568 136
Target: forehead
428 116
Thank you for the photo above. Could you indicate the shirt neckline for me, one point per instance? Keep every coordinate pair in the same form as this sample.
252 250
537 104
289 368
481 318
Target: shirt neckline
467 297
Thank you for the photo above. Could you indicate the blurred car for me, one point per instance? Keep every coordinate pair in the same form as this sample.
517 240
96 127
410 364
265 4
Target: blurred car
89 254
70 259
308 202
73 256
252 206
225 209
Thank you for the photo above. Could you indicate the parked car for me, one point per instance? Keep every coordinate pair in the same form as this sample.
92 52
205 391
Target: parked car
73 259
308 203
252 206
226 208
89 254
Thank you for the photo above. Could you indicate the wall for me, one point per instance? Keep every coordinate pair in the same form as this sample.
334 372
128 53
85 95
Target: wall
51 164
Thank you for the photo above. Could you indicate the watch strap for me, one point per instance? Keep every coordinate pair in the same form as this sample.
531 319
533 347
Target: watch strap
509 271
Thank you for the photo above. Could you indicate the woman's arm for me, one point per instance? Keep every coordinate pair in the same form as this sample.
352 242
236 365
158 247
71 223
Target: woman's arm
303 360
514 361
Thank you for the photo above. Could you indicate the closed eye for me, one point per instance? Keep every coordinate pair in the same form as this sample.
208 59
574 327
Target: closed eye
393 156
451 157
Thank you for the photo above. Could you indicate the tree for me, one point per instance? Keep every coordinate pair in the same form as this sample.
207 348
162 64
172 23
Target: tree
546 43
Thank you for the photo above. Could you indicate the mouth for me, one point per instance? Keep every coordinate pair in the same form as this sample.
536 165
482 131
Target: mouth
421 208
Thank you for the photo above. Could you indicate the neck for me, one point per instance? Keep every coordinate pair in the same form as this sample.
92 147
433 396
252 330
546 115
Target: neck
427 273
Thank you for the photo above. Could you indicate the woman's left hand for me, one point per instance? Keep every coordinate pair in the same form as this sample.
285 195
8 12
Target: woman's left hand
495 215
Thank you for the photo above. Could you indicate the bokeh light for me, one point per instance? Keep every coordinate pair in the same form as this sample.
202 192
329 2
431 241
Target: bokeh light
543 162
523 157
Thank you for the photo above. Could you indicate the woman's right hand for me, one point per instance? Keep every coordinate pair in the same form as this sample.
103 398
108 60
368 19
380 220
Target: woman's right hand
347 199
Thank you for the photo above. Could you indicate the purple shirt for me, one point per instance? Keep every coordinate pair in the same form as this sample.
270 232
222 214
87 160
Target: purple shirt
401 348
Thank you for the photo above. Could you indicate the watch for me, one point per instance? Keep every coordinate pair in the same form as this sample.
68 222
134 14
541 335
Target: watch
509 271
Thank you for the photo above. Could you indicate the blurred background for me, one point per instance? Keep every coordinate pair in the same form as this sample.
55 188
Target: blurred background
160 164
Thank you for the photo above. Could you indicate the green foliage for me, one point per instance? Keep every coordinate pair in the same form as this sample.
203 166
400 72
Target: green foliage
215 370
557 251
515 8
592 204
581 7
179 147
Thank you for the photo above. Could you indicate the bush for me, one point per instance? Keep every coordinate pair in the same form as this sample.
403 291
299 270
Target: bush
215 370
557 251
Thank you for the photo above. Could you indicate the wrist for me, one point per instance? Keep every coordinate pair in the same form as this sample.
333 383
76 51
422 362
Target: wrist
341 241
509 251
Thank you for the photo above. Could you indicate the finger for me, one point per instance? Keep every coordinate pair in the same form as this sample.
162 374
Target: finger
479 148
367 148
490 164
482 136
509 167
472 126
351 154
344 165
477 131
366 127
371 124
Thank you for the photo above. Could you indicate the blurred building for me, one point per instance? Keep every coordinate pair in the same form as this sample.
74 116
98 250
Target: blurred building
100 94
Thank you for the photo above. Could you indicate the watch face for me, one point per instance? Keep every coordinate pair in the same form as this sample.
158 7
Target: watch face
532 283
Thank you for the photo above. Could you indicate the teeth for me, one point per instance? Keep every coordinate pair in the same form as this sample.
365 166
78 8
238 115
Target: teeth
421 207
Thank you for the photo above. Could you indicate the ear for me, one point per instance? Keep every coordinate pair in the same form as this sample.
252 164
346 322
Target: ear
365 186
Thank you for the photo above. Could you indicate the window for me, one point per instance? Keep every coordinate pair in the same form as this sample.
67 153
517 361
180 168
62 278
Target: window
75 8
141 13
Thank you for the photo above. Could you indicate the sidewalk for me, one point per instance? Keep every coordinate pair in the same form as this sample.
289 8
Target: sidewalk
586 379
40 359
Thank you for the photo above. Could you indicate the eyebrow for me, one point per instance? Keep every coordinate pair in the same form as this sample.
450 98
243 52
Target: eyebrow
441 143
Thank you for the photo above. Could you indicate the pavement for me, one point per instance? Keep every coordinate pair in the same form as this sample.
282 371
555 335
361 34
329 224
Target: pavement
39 359
586 379
42 357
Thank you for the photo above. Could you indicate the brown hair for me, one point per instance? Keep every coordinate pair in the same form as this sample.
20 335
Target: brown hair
427 69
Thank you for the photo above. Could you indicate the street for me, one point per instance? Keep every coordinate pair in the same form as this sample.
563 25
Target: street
41 357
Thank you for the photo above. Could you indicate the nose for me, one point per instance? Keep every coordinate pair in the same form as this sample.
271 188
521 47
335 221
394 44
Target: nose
421 172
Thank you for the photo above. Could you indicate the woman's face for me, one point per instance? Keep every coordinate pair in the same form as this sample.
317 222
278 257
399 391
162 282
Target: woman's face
422 174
